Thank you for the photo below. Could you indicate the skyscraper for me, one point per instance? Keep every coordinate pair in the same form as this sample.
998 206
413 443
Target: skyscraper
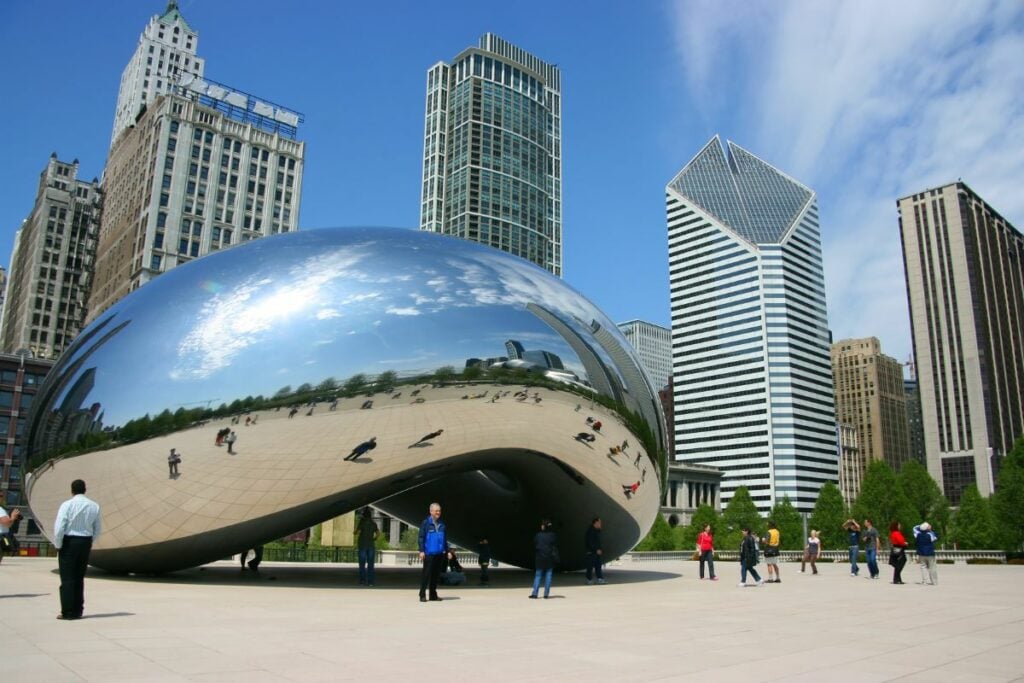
965 286
51 264
750 340
653 344
870 396
204 168
492 151
166 51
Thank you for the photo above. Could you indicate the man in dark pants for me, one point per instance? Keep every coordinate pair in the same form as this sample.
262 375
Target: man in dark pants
433 551
77 524
592 543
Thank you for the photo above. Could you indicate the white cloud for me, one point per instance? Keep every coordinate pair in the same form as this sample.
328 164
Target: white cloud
407 310
865 102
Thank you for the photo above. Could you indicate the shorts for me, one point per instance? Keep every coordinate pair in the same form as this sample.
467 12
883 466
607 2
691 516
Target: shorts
771 561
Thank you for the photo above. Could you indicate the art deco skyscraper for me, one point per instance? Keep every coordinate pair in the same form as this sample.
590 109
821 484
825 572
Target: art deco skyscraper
750 340
965 285
166 51
870 396
492 151
51 265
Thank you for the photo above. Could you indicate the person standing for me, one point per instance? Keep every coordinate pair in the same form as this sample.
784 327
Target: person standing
811 552
706 549
433 542
771 551
76 526
872 544
367 547
898 554
595 556
853 541
924 540
484 560
230 441
7 522
748 558
545 545
173 460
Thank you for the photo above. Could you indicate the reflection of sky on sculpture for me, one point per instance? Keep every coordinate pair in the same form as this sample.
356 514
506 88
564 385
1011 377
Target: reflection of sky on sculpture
301 308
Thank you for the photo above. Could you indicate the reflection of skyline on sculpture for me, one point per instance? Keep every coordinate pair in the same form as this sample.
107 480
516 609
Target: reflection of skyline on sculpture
427 310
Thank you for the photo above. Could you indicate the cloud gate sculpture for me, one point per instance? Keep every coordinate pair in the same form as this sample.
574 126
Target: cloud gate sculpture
312 346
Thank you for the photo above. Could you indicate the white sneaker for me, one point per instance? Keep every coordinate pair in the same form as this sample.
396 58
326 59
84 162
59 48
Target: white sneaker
601 581
589 582
741 585
761 582
801 571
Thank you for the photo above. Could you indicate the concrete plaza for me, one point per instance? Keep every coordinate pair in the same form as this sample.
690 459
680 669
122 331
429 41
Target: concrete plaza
304 622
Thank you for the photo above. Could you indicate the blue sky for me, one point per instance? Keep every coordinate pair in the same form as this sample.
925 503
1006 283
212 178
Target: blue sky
864 102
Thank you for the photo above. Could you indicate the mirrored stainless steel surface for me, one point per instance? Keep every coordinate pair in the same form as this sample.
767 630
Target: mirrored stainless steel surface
311 344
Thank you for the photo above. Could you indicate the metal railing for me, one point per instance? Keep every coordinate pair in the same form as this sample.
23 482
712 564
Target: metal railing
797 555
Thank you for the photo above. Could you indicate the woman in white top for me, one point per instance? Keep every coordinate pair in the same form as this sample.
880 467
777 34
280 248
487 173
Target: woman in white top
811 551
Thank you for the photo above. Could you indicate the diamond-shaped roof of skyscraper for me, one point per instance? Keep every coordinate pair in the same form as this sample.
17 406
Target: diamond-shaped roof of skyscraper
748 195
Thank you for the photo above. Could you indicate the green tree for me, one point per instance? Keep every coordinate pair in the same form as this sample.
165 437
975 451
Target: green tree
283 391
882 500
410 539
974 527
355 384
659 537
1008 501
328 384
925 496
704 514
444 374
471 373
789 523
740 512
828 516
387 380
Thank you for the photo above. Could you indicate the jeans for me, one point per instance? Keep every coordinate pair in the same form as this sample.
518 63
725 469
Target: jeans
854 569
547 581
743 573
594 566
872 556
707 556
367 556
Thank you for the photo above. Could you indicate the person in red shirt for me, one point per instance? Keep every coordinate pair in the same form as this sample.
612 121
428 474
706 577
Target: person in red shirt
898 554
706 548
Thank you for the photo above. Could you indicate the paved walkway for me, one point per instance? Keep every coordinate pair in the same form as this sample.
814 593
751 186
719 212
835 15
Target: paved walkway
311 623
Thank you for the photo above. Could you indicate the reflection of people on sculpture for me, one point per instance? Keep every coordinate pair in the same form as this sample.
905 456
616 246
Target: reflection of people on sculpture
333 406
596 426
366 405
418 399
585 437
221 433
173 458
291 413
636 463
230 441
362 448
630 489
428 437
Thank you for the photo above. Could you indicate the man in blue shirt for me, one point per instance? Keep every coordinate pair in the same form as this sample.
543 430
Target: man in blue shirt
77 524
924 540
433 551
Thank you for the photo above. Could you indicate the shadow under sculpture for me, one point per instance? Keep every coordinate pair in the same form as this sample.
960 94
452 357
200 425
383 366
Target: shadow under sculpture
434 333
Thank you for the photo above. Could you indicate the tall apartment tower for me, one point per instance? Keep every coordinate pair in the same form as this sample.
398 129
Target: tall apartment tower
750 339
965 285
852 464
653 344
166 51
492 151
51 265
870 396
204 168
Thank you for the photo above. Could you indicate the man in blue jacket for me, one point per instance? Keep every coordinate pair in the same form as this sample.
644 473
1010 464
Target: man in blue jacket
433 551
924 539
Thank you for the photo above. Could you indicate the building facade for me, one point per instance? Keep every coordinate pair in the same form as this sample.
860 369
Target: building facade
204 168
20 377
870 396
689 487
166 51
51 264
653 343
750 341
492 151
965 286
852 463
915 425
